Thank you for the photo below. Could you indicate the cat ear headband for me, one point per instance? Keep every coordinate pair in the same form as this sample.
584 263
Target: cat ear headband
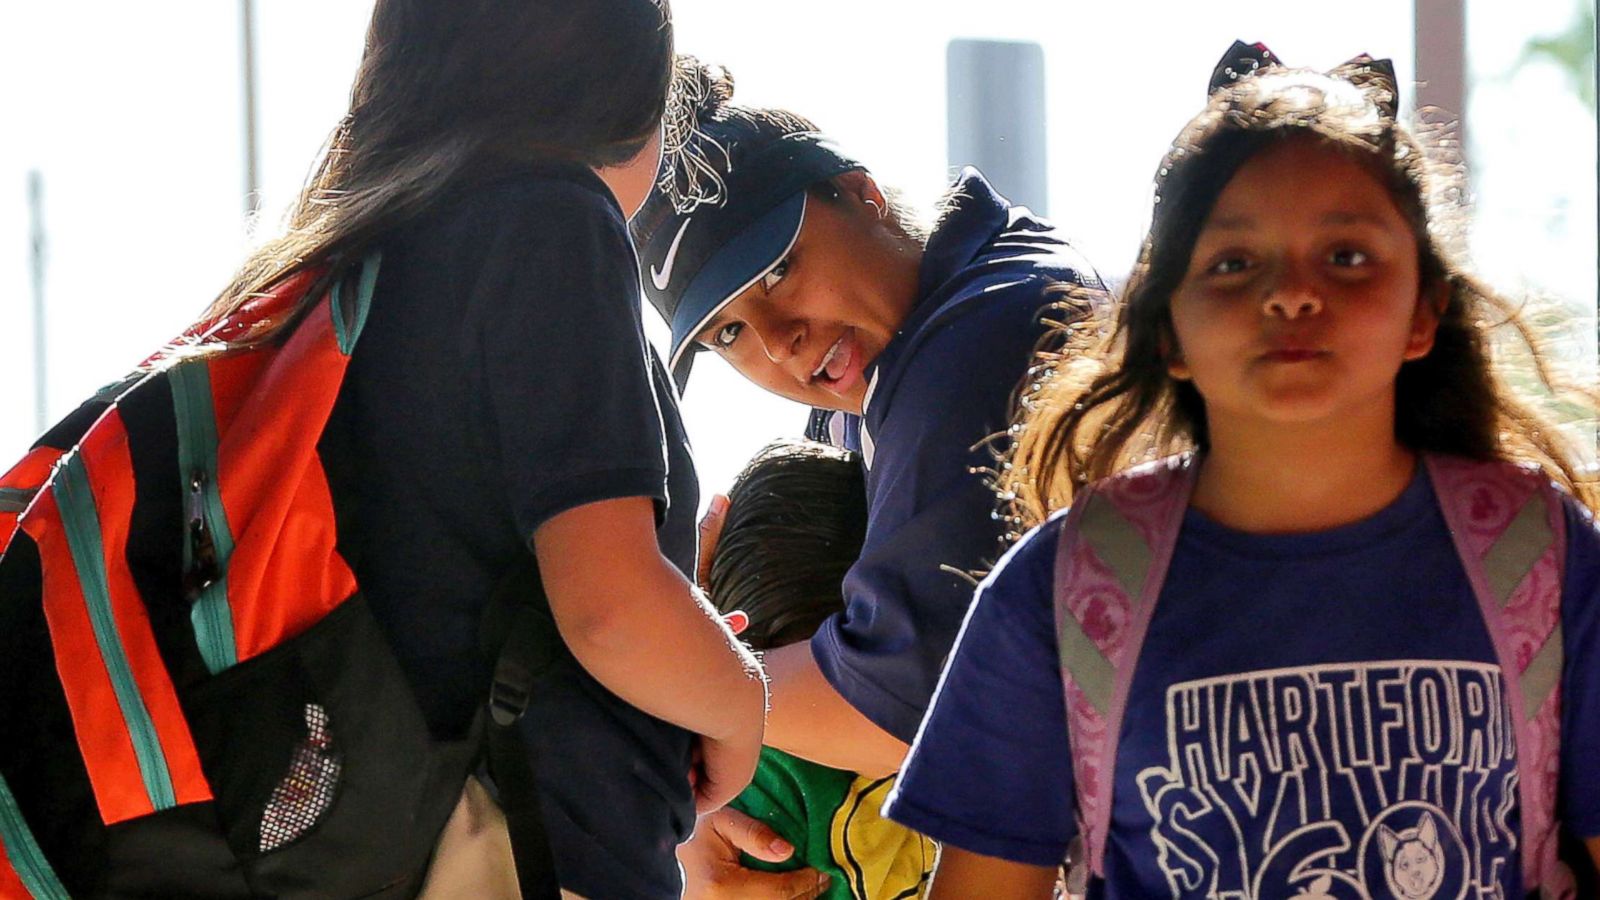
1375 77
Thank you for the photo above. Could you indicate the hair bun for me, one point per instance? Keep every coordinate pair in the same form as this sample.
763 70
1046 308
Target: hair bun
704 88
688 177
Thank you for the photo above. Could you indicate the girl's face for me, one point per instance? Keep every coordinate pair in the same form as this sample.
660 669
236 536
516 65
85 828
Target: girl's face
809 328
1303 295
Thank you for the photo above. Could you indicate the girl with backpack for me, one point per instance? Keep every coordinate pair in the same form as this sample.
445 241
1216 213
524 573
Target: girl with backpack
315 617
503 401
1338 636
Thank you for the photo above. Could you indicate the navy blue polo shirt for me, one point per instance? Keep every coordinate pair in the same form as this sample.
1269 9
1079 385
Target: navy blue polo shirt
504 378
943 385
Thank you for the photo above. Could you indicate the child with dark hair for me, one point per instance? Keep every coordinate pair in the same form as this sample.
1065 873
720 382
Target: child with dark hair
796 517
1322 618
795 522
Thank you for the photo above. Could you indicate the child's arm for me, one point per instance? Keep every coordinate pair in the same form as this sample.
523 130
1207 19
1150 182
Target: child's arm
642 630
961 874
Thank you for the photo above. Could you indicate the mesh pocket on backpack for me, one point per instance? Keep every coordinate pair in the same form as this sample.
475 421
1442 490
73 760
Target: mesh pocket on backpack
305 792
327 780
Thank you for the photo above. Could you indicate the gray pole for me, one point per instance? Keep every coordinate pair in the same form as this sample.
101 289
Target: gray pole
41 413
997 115
252 179
1441 45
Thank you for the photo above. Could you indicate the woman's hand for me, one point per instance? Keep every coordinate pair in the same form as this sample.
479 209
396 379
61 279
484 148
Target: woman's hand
711 866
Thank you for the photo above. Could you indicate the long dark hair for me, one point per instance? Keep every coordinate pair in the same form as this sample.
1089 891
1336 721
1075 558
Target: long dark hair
449 90
797 517
1102 398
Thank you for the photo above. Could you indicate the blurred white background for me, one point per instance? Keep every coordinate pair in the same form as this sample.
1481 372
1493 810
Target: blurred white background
132 114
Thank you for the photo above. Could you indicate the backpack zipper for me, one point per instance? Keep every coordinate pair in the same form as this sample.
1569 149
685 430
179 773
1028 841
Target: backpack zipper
208 542
202 571
22 851
80 524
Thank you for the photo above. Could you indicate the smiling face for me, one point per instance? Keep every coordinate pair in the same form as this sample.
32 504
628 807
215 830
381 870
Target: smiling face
1302 297
809 328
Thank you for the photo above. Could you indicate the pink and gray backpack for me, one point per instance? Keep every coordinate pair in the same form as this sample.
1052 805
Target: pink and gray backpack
1509 529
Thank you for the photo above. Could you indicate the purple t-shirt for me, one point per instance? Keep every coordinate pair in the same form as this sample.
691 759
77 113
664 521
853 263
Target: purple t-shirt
1309 712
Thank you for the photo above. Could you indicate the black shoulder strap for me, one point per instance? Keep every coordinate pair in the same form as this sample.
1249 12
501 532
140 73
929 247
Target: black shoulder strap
520 635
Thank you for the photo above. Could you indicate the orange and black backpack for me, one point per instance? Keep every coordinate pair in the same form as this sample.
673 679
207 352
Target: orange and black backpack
197 700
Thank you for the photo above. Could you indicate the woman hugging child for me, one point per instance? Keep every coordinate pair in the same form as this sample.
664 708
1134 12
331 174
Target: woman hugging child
1321 619
796 519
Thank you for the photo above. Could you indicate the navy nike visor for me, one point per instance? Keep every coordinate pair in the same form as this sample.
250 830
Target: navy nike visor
694 262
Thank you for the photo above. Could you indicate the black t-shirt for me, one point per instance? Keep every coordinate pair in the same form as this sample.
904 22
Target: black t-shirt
501 378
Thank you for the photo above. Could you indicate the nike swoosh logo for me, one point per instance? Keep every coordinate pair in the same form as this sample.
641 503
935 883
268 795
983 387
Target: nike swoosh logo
663 276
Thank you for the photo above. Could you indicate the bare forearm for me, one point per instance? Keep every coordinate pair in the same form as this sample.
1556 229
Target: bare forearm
638 626
962 875
810 720
670 656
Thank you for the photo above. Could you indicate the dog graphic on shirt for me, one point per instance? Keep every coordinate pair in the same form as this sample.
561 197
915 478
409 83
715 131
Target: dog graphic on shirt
1413 859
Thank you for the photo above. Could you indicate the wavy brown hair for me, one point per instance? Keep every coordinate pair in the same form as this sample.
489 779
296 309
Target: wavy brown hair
451 91
1102 400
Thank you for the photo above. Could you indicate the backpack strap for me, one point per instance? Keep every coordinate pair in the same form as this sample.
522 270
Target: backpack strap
519 633
1509 528
1115 547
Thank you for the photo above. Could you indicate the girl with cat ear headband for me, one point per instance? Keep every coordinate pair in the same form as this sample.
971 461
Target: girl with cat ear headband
1311 598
